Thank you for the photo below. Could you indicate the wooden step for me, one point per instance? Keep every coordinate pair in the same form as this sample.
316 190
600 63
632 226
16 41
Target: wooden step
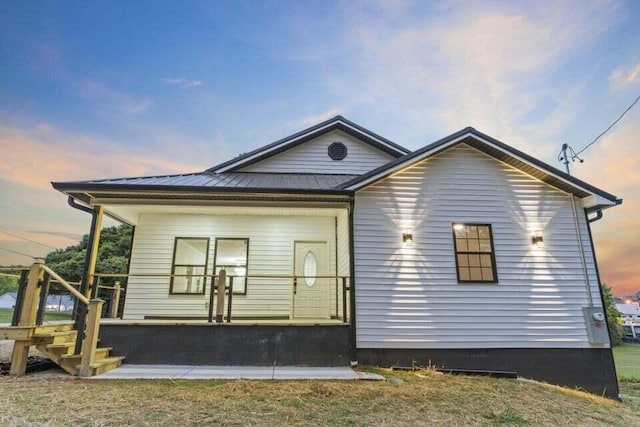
24 333
61 346
101 354
20 333
54 327
105 365
56 337
53 334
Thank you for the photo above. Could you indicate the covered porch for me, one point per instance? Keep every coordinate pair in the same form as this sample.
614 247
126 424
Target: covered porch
288 264
226 269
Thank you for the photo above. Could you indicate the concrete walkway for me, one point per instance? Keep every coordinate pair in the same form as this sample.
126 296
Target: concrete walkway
235 372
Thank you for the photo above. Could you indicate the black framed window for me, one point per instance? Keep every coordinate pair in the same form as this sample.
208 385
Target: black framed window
475 256
189 268
232 255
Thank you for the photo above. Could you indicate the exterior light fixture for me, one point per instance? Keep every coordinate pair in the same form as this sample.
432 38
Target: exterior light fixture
537 239
407 237
458 227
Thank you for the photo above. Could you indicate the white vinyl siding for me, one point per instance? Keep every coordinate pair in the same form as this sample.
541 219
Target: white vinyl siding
271 247
409 296
312 157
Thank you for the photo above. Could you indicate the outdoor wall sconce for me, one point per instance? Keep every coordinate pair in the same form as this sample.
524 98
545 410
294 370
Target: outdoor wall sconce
407 237
537 239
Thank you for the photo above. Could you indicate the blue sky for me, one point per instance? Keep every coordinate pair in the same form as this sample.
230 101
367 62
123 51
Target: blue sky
118 88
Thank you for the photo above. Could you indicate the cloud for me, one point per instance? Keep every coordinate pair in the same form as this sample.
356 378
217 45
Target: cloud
443 66
37 153
317 118
613 164
33 156
107 97
182 82
624 76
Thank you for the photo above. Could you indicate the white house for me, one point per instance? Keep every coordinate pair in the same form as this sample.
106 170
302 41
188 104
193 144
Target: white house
630 312
341 246
59 302
8 300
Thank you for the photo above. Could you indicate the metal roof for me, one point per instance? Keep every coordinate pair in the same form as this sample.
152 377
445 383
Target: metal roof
235 180
211 185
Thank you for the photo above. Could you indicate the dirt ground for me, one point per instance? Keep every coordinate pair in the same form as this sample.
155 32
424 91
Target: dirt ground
6 348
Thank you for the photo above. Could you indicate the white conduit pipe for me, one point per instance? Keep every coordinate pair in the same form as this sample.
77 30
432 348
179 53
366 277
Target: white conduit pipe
582 256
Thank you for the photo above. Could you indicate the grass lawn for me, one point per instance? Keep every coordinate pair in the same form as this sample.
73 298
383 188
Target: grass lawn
627 358
7 313
422 398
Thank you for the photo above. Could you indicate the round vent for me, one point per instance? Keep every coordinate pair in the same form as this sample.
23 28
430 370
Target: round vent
337 151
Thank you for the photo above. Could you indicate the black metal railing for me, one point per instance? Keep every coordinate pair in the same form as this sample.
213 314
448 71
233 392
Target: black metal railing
339 300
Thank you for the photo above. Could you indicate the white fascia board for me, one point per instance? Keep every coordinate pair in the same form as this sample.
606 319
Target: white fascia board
596 200
276 147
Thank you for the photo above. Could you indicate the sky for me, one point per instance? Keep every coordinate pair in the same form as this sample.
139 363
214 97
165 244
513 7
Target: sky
111 89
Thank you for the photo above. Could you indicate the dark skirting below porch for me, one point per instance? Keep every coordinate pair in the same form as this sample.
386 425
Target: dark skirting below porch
590 369
229 344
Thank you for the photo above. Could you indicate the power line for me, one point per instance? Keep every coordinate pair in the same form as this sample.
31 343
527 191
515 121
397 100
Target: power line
28 240
607 129
20 253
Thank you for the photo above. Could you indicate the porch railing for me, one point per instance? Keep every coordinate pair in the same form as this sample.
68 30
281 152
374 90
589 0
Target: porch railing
29 310
221 294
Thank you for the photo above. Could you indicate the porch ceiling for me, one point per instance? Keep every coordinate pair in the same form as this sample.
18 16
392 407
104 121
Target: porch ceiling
131 213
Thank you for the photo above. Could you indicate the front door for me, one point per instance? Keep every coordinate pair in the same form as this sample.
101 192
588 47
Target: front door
311 287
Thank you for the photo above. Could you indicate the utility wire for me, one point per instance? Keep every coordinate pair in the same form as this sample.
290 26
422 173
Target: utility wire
20 253
607 129
28 240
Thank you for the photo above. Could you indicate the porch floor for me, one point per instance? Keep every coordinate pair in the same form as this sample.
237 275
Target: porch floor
256 321
187 372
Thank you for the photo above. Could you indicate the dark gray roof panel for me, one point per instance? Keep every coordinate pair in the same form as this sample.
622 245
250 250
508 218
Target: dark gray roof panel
239 180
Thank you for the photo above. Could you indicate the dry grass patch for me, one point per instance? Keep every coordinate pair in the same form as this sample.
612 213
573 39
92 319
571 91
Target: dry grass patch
428 398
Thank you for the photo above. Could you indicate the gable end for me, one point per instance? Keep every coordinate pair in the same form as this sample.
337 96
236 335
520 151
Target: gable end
497 149
335 123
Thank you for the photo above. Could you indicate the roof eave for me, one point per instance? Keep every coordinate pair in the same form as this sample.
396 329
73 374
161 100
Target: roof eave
69 187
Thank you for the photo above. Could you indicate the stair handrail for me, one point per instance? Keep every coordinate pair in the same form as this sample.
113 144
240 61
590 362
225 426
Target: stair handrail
88 329
73 291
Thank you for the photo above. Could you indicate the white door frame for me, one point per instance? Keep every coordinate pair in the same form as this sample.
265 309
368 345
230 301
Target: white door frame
293 268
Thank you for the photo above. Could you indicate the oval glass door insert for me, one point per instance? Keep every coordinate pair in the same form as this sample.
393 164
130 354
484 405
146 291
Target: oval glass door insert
310 269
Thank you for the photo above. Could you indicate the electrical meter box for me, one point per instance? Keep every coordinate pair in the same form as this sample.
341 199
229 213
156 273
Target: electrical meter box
594 318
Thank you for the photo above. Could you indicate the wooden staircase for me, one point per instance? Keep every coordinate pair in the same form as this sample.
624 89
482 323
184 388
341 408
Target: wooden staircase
58 341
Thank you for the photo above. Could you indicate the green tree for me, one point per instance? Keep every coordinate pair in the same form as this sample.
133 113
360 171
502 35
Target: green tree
113 255
613 314
8 284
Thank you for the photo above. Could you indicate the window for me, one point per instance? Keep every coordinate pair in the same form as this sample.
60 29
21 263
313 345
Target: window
232 255
190 256
475 259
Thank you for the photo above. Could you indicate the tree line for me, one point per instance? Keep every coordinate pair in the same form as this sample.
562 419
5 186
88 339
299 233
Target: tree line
113 257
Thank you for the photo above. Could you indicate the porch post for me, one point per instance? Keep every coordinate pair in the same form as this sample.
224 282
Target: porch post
352 283
92 250
27 318
222 281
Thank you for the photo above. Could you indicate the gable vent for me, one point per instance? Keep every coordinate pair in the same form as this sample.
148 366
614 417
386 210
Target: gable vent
337 151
